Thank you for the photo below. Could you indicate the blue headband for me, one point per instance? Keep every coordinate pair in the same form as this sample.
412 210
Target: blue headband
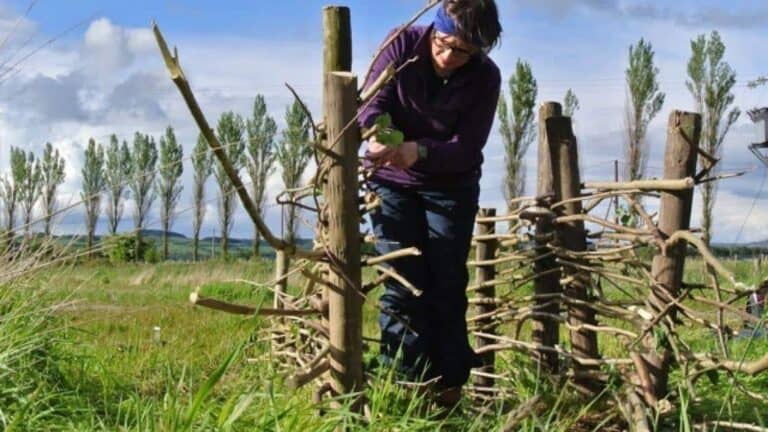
444 23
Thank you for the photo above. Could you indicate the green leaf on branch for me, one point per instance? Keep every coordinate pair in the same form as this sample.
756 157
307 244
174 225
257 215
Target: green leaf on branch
384 121
385 134
390 137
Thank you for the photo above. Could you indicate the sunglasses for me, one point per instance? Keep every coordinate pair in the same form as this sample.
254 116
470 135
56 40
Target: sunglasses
442 45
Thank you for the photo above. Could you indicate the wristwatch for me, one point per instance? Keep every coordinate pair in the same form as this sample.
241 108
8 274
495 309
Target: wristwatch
421 151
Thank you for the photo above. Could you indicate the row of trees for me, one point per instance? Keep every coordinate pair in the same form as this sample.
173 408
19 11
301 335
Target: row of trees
148 171
29 180
122 171
154 173
710 81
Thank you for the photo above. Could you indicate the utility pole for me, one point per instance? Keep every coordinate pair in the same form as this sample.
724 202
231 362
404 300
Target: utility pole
760 149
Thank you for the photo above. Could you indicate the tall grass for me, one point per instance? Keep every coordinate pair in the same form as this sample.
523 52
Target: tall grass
78 352
30 379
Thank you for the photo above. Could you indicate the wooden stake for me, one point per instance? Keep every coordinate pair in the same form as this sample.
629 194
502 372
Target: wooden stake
340 191
484 252
337 39
282 263
572 236
281 269
546 332
545 184
683 134
337 57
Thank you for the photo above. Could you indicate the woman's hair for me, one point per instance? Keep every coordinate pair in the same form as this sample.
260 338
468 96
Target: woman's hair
477 21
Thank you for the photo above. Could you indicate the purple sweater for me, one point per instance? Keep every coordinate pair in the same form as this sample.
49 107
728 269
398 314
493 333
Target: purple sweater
452 117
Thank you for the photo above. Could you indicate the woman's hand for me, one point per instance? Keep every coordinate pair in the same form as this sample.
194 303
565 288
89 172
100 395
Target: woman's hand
379 153
402 157
407 155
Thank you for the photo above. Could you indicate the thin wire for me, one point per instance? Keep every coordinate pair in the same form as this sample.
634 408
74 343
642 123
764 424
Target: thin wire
754 202
16 24
4 74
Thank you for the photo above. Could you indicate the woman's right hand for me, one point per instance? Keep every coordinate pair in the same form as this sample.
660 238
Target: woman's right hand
379 153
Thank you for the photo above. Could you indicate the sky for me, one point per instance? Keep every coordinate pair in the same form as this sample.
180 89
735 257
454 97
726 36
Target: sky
72 70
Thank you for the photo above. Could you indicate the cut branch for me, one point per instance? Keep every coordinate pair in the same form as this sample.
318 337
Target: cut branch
644 185
391 256
177 75
237 309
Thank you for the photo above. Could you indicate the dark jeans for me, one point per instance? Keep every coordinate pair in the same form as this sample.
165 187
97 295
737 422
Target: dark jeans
430 329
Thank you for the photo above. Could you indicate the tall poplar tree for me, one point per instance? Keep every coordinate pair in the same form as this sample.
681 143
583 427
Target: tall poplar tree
30 190
570 104
117 172
645 102
168 184
143 162
711 81
517 128
260 158
93 186
11 190
53 175
202 161
230 131
293 155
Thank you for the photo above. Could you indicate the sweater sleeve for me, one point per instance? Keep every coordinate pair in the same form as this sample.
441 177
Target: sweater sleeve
382 102
463 150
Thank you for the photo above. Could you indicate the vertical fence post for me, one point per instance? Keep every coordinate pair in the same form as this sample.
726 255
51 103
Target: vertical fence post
545 331
345 303
281 269
345 300
282 262
337 56
485 295
337 39
572 237
683 134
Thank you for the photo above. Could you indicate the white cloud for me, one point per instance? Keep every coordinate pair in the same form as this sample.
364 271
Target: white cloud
110 49
692 13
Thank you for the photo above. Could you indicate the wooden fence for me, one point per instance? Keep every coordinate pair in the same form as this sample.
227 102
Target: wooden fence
546 286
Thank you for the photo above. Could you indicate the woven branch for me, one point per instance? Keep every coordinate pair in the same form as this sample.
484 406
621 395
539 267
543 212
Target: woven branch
644 185
237 309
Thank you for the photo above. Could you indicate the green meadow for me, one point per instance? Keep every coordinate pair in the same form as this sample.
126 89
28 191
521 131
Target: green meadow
101 346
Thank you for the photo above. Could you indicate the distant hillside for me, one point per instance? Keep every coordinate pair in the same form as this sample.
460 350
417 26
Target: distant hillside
742 250
763 244
147 233
180 246
159 234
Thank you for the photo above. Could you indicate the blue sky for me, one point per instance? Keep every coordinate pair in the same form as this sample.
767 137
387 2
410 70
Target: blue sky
106 76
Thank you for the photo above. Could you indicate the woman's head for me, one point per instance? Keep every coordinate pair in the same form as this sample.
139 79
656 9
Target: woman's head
463 28
477 21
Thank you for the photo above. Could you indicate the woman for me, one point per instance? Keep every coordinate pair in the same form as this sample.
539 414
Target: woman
444 101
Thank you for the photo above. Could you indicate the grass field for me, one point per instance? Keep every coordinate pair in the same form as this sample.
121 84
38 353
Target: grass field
97 346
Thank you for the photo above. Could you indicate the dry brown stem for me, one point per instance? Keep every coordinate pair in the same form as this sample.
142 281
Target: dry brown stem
306 376
237 309
371 261
390 273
